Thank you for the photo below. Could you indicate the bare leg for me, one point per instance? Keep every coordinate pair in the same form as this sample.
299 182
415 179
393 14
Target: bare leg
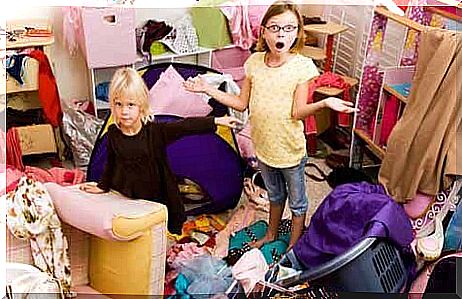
298 224
274 220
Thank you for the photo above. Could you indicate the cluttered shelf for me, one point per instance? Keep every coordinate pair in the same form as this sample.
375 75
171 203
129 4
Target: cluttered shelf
378 151
29 41
397 91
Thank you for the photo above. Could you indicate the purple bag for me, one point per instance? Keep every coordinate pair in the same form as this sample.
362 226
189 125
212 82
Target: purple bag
350 213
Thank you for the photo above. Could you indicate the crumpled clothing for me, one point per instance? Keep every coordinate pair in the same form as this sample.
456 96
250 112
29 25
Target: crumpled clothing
61 176
205 274
31 215
183 37
181 252
250 269
231 87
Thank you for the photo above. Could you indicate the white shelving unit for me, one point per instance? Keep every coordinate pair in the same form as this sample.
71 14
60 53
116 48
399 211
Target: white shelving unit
203 57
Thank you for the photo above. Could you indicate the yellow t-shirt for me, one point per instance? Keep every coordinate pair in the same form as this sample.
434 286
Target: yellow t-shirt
278 138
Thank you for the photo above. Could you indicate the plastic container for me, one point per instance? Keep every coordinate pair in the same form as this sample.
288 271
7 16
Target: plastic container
231 61
109 36
373 265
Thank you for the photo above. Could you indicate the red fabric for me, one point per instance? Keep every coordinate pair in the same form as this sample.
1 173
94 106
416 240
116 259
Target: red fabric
13 149
2 149
48 90
62 176
328 79
389 118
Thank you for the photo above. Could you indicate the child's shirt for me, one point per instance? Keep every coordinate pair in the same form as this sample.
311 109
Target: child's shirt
278 138
137 165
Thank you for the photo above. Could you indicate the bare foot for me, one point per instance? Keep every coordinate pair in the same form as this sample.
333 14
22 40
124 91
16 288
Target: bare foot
267 238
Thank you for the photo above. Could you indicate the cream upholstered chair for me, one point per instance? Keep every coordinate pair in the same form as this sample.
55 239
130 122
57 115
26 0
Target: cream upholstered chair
117 246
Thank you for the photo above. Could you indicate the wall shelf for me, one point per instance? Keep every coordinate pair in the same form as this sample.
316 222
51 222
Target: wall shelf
394 92
374 148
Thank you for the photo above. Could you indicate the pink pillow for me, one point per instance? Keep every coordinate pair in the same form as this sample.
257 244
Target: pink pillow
168 96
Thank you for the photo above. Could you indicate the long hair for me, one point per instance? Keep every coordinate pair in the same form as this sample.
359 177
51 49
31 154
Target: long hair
277 8
126 83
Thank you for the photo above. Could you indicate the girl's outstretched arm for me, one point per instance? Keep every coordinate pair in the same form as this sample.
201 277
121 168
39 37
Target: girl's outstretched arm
195 125
300 109
240 102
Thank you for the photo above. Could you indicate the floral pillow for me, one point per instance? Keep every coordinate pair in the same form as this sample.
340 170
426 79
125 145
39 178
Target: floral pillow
169 97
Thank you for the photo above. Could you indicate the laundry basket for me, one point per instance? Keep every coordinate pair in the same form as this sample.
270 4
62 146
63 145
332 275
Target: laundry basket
373 265
22 280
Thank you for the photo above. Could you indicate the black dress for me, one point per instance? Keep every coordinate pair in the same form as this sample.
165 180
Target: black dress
137 165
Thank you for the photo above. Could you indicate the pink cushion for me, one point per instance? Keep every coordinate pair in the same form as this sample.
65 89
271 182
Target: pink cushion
94 213
168 96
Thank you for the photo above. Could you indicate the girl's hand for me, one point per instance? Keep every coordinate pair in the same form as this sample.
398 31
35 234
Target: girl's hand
340 105
228 121
91 187
196 84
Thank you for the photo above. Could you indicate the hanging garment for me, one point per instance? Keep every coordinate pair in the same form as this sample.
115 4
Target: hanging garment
31 215
48 90
13 149
14 68
389 118
72 28
421 150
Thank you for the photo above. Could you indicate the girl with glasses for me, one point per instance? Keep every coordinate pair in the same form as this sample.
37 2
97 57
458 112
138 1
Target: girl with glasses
275 90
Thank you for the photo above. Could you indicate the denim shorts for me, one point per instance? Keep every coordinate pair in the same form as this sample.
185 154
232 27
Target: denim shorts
283 182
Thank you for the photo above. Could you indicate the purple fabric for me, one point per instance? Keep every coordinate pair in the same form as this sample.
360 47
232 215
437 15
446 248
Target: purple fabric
207 159
350 213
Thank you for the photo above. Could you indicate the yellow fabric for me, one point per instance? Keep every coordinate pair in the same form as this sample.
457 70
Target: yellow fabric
226 135
121 267
278 138
129 227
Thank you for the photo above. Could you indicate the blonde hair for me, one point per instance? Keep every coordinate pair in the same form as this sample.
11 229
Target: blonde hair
277 8
126 83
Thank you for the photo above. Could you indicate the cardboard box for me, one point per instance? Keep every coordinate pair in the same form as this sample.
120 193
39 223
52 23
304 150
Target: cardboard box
37 139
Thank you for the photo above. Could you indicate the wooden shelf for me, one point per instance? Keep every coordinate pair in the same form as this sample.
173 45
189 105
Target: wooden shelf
27 41
334 91
30 78
394 92
397 18
329 28
374 148
314 53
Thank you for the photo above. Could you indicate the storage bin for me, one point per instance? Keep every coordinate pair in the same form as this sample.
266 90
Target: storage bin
108 36
231 61
372 265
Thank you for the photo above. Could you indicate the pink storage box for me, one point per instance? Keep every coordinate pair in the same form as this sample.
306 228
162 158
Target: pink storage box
231 61
108 36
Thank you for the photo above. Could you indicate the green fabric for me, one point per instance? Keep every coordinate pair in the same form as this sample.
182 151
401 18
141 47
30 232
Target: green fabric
273 251
211 24
258 228
157 48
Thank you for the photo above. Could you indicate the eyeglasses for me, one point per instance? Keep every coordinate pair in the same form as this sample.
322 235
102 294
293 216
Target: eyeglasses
277 28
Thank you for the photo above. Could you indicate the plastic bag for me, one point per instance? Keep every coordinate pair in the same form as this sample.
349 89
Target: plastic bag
206 274
81 129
